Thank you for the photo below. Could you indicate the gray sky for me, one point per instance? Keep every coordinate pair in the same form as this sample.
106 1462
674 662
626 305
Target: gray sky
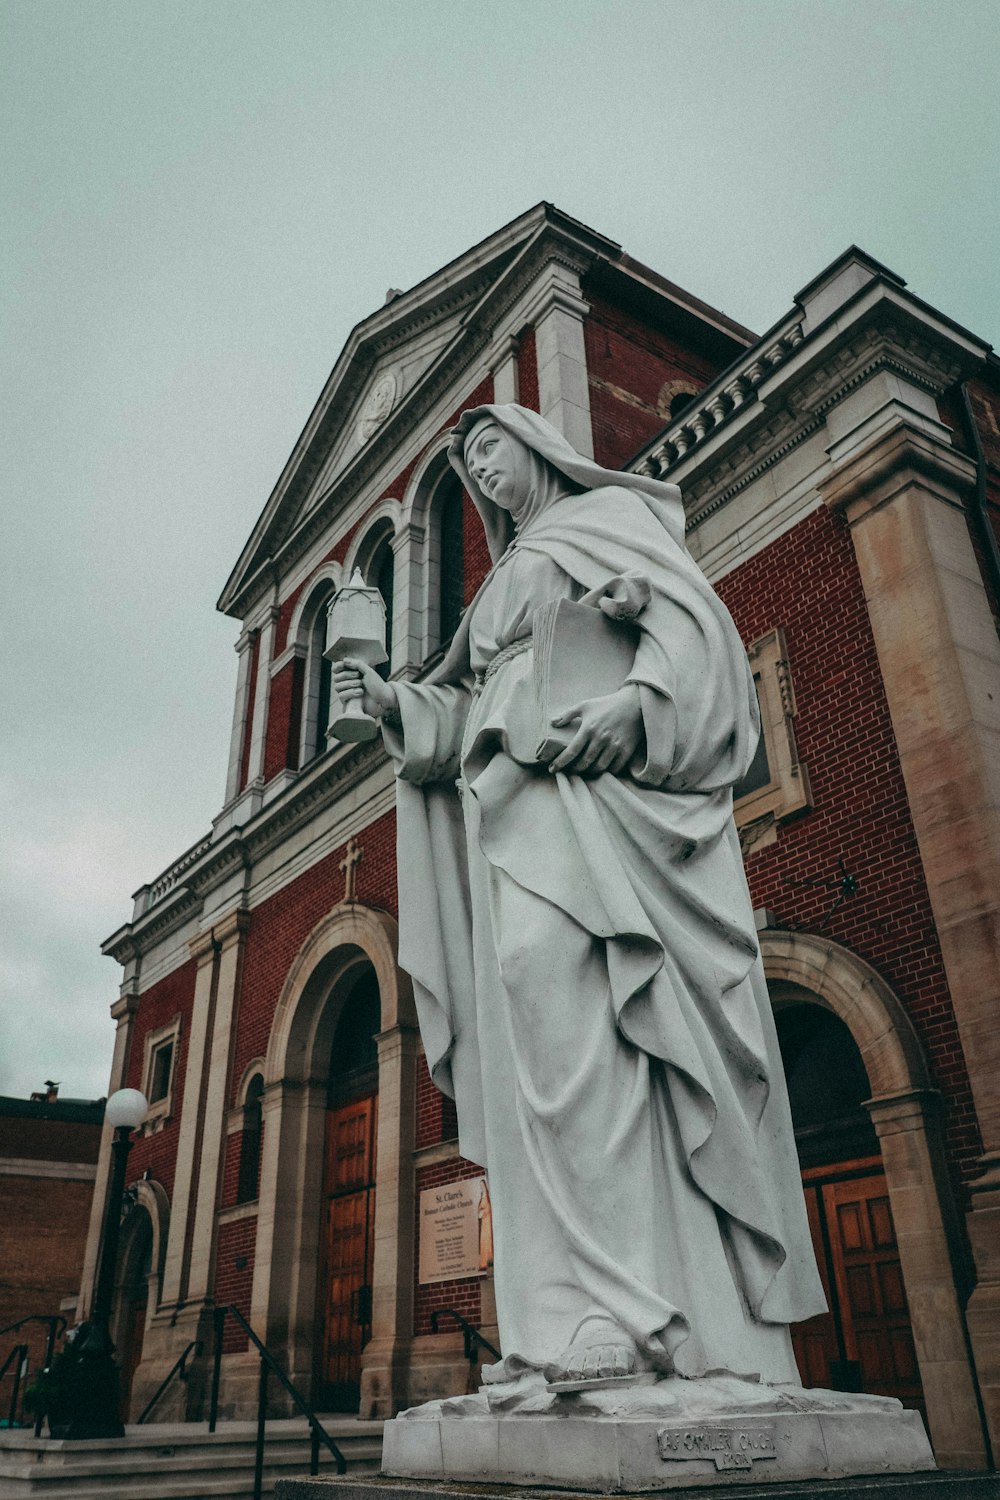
201 197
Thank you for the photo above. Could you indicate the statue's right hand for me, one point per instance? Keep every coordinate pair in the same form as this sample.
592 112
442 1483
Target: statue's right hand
355 679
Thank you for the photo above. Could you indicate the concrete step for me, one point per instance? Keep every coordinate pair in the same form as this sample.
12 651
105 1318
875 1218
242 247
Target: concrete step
177 1461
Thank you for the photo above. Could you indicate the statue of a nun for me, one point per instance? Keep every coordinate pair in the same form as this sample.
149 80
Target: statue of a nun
582 944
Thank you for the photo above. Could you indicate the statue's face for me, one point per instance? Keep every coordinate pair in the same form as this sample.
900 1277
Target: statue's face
492 459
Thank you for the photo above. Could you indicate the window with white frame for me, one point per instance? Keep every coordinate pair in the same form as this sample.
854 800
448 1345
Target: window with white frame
381 572
159 1070
316 687
776 787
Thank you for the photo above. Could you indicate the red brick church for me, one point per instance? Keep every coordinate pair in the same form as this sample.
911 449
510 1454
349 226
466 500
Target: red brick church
841 476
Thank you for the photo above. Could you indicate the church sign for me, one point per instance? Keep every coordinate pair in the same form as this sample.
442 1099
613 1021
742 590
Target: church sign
456 1230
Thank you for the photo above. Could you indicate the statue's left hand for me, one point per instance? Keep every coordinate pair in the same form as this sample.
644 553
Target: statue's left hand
608 734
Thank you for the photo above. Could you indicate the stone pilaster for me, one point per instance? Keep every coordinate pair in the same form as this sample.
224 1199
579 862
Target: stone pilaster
228 935
563 389
386 1358
900 485
204 950
909 1135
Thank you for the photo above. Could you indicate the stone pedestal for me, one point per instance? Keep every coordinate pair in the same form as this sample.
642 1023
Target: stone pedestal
671 1435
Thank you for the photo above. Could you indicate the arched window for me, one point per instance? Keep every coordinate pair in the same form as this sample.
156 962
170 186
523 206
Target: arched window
680 403
317 681
382 573
451 554
249 1173
827 1085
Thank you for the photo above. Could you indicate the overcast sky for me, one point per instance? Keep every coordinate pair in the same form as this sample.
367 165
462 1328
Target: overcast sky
200 200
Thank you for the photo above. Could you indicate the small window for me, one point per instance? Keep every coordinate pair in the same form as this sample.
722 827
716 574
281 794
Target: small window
249 1170
382 574
317 677
776 787
159 1070
680 403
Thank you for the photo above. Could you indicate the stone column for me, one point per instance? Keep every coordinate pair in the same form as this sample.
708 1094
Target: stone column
901 485
411 587
239 715
386 1358
123 1012
909 1135
563 390
262 696
228 936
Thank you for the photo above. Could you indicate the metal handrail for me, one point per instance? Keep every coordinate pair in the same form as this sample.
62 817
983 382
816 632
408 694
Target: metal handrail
53 1320
471 1335
178 1368
20 1354
268 1365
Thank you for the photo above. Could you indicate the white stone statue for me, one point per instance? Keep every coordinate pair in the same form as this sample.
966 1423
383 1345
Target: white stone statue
582 944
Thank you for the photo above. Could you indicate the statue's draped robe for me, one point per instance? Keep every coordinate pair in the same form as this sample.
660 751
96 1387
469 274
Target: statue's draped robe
587 973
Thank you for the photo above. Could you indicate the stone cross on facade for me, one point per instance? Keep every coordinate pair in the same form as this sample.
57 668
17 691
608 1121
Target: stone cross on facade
352 858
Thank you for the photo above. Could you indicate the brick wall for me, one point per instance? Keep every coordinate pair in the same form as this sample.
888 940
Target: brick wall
628 363
807 581
527 371
234 1276
43 1235
280 925
157 1007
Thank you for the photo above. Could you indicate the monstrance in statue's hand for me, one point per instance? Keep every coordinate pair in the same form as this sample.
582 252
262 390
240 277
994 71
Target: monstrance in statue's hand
355 627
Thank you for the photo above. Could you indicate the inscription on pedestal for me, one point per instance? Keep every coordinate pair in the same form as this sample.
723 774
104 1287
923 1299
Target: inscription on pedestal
726 1447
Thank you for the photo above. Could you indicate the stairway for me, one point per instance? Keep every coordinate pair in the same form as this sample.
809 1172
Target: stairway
177 1460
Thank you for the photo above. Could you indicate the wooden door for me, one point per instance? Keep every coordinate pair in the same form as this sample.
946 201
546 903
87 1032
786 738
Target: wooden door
349 1245
865 1341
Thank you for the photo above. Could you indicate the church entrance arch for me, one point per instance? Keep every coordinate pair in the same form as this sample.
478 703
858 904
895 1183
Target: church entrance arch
131 1305
899 1192
349 1183
335 1211
864 1342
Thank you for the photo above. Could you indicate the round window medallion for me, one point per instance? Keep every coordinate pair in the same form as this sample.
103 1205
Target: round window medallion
377 407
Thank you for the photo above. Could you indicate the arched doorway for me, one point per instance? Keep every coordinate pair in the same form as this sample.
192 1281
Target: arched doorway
135 1267
348 1235
864 1342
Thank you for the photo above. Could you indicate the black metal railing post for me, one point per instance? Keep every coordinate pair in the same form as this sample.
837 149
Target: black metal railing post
178 1368
219 1319
258 1463
269 1366
50 1345
17 1357
56 1324
470 1335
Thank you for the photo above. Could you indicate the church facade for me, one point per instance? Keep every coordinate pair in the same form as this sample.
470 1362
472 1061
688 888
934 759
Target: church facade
840 478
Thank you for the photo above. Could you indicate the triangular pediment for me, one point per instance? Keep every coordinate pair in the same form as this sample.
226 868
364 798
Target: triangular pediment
378 389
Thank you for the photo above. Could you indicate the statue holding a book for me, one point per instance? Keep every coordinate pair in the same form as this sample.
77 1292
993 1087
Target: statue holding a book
575 916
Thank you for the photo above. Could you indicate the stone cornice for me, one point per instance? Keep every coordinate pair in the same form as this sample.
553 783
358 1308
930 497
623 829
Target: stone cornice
780 391
890 464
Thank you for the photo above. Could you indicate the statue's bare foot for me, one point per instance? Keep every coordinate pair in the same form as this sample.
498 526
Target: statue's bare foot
600 1351
598 1362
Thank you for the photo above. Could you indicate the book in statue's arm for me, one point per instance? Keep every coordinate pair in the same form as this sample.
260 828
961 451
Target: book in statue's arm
578 653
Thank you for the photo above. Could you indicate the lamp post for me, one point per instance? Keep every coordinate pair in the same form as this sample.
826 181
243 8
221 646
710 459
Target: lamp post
94 1398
